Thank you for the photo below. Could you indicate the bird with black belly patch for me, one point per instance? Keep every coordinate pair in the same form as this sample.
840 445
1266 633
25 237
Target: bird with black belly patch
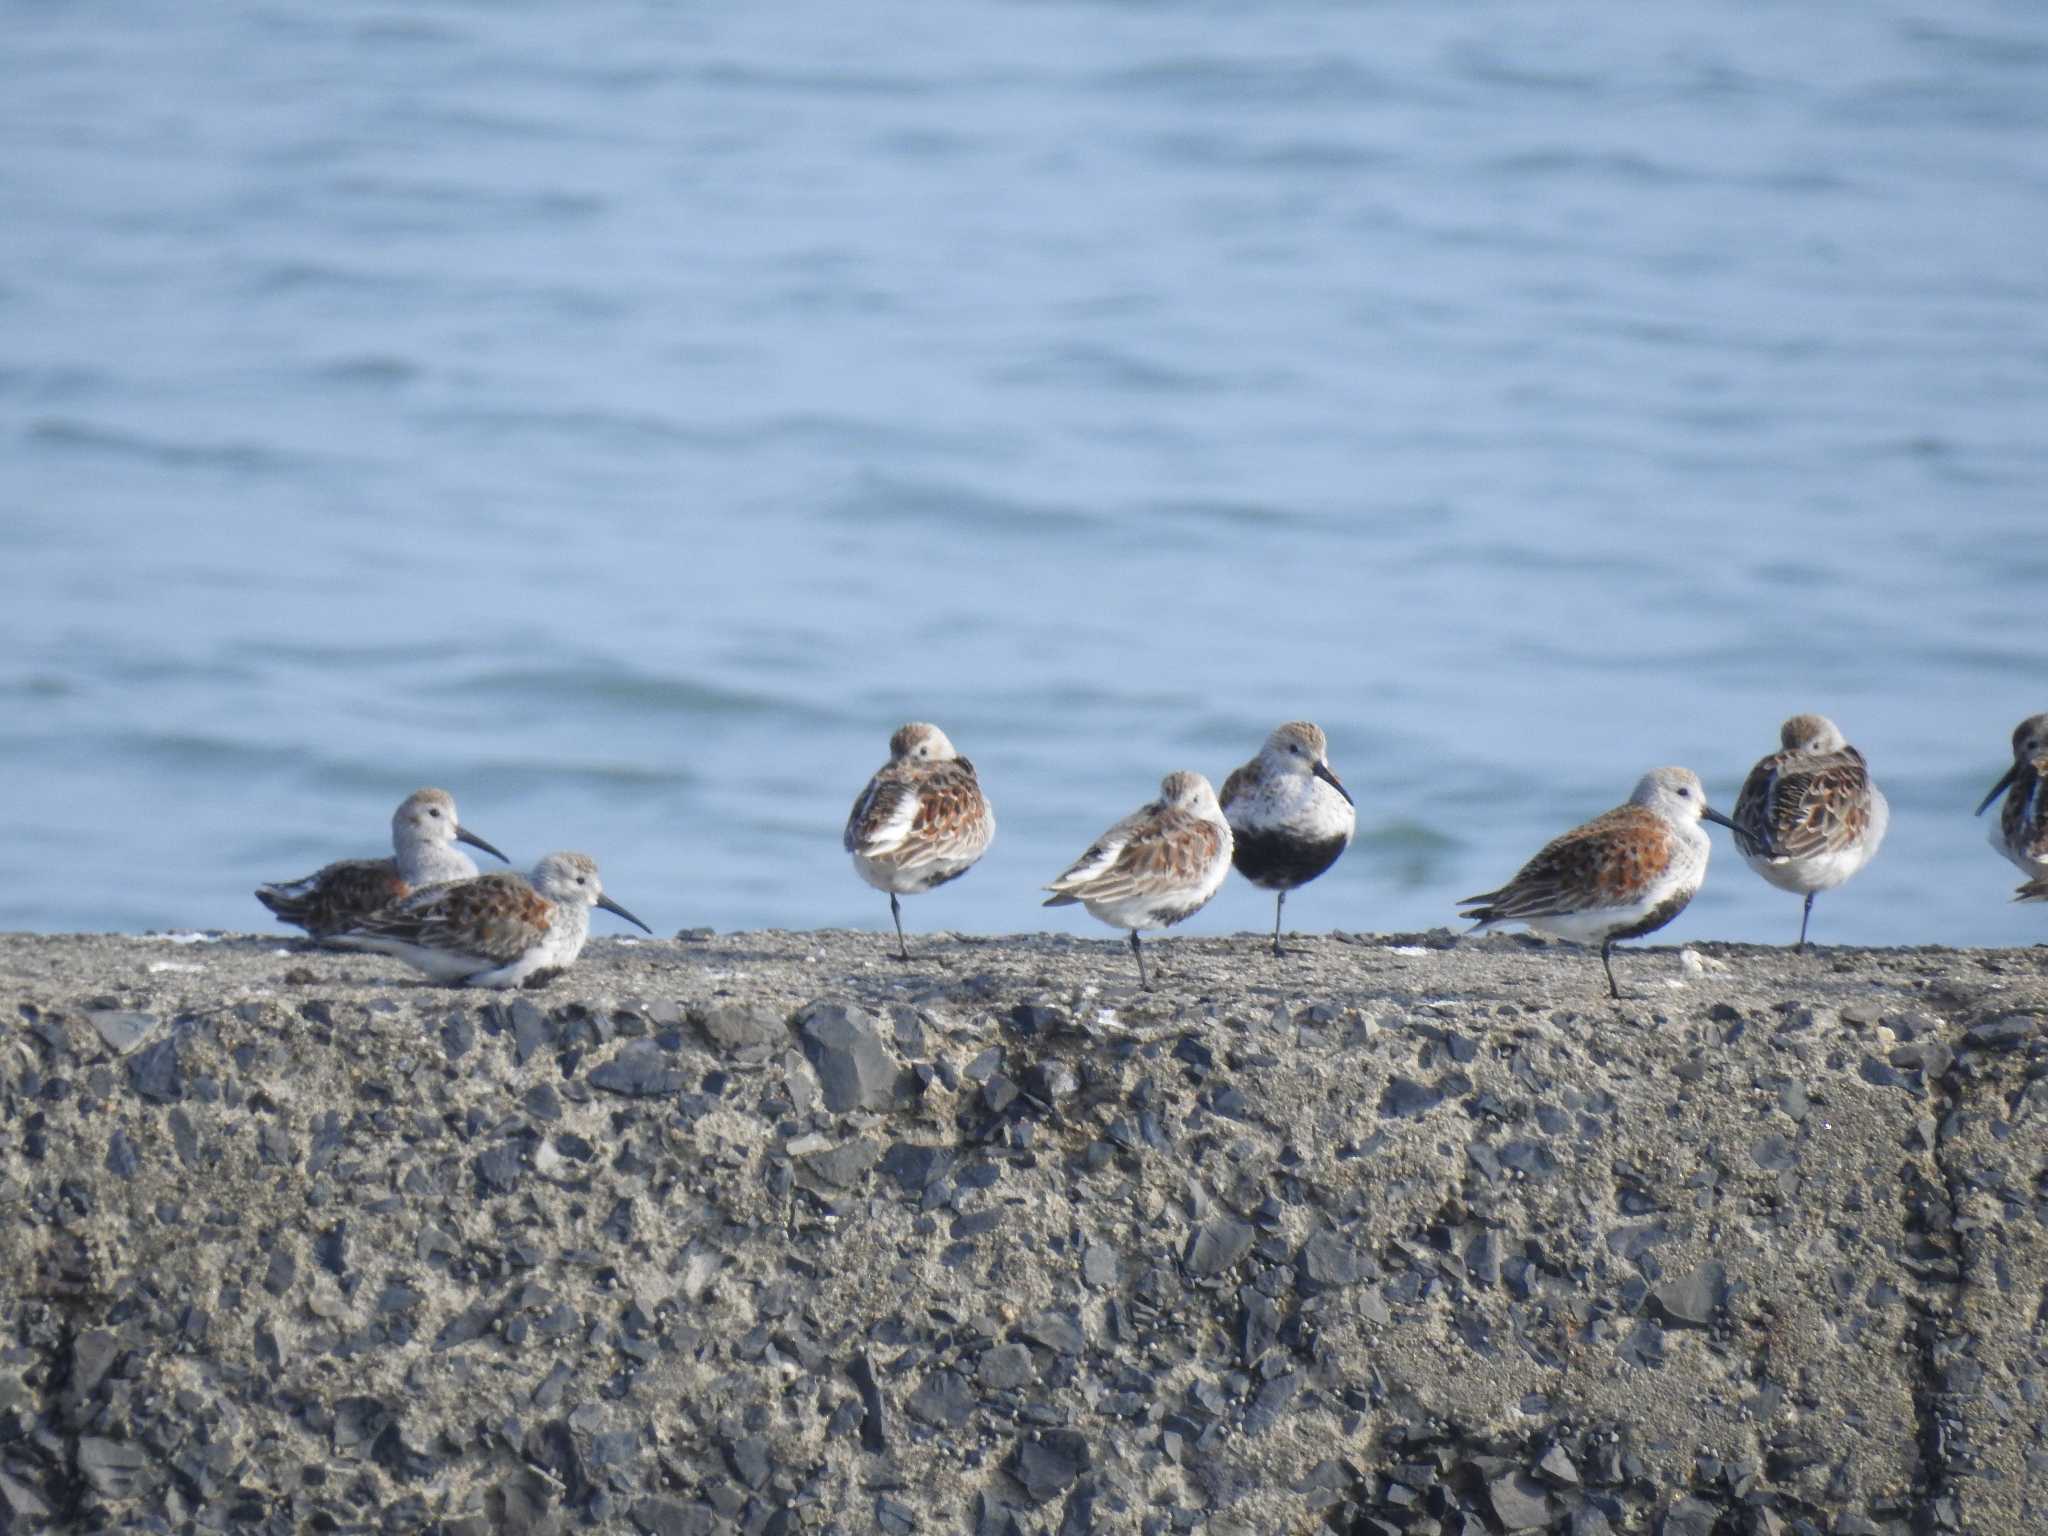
1623 874
1290 816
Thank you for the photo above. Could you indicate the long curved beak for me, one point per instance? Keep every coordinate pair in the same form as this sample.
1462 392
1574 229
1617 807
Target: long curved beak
464 835
1708 813
1328 775
612 906
1999 788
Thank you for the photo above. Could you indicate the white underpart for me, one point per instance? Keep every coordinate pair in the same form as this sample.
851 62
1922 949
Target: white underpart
1824 871
1298 804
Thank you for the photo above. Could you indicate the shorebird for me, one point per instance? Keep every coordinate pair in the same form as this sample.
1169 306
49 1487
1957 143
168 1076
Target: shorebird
1623 874
1158 865
424 832
1809 816
1290 815
921 821
2021 831
501 930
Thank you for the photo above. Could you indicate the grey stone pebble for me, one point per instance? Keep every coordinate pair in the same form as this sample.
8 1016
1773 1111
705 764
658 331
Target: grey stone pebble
122 1031
1050 1461
1217 1245
639 1069
855 1070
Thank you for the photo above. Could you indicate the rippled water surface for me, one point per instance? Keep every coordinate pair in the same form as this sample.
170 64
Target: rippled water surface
625 415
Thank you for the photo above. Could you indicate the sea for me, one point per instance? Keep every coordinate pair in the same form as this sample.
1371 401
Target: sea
624 415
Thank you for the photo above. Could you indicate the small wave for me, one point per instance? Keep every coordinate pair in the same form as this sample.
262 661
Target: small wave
847 81
881 498
604 688
1283 82
71 435
620 431
1088 365
369 369
1594 164
1249 516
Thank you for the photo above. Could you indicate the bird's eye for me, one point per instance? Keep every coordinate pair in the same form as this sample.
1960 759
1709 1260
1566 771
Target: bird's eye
435 812
1684 793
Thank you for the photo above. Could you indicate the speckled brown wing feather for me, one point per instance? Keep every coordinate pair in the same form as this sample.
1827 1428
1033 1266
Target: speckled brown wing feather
2024 816
1608 862
1167 848
495 917
878 806
951 812
337 897
912 813
1795 805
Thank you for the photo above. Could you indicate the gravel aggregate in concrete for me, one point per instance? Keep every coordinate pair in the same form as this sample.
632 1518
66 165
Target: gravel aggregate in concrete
773 1232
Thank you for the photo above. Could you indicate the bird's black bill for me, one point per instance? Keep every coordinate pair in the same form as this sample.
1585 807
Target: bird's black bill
1708 813
612 906
1324 772
1999 788
464 835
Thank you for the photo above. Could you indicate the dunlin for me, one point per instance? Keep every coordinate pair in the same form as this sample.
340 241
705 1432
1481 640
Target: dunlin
1621 875
1809 816
921 821
1158 865
2021 831
1290 816
502 930
424 832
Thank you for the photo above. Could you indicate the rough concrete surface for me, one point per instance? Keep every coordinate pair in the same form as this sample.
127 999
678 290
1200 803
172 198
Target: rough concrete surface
770 1232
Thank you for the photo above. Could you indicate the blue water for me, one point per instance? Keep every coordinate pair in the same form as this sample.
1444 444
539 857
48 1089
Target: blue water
625 415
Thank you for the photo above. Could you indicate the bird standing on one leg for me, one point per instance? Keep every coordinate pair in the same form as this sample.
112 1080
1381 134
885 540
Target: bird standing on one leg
1157 866
1290 816
1621 875
1809 816
921 821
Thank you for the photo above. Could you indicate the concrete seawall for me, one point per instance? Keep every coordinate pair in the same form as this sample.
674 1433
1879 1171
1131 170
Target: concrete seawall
770 1233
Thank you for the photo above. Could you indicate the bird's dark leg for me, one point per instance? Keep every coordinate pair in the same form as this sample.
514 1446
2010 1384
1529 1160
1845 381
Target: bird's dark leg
1278 902
896 911
1140 953
1805 913
1606 950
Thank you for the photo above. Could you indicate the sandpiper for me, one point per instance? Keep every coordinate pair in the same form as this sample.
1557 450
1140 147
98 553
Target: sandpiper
2021 831
1809 816
1158 865
501 930
1290 815
424 832
921 821
1621 875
